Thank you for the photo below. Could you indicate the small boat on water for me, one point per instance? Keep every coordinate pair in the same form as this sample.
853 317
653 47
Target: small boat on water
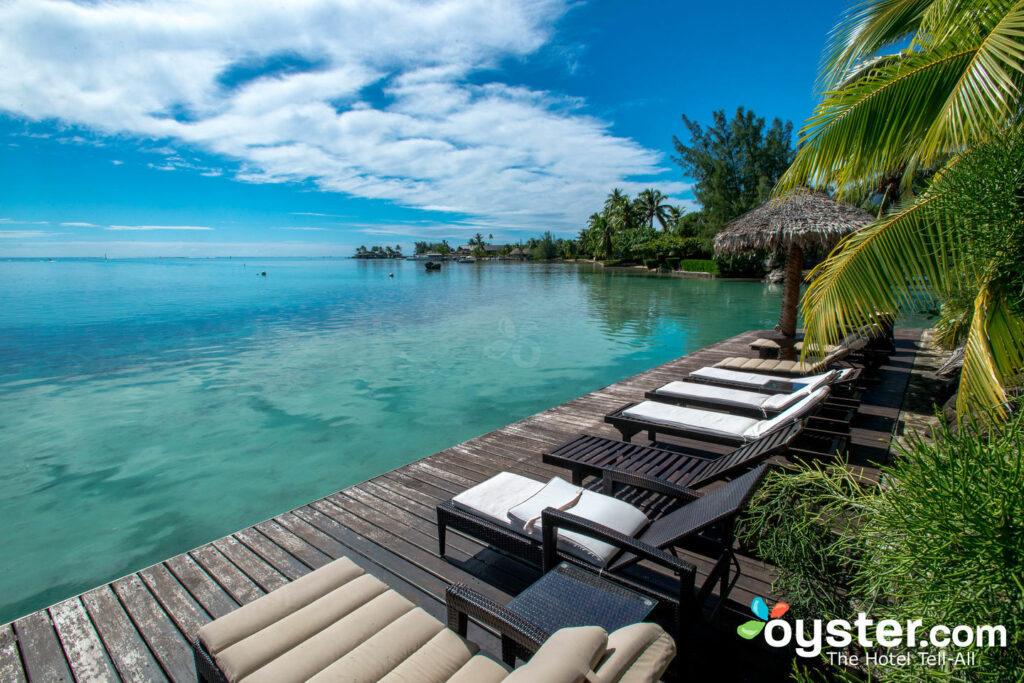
433 265
467 259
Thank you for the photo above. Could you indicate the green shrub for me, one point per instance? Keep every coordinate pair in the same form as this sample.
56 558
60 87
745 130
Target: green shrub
651 263
942 542
693 248
672 262
699 265
747 264
611 261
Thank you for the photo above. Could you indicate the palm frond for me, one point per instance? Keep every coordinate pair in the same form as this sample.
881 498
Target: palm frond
875 125
863 30
994 355
988 91
900 262
959 20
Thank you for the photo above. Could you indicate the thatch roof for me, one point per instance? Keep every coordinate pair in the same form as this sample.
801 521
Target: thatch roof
806 219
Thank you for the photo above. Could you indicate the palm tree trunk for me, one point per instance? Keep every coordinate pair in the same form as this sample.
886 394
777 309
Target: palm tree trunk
791 291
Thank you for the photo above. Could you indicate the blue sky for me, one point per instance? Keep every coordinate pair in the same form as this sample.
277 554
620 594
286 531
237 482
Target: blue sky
245 127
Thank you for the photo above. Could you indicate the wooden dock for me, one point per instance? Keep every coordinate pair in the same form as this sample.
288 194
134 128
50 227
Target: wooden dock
138 627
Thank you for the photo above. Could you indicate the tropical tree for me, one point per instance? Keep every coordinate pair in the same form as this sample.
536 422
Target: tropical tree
650 204
890 119
603 229
734 162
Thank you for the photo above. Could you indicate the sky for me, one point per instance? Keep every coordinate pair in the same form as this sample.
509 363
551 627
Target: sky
310 127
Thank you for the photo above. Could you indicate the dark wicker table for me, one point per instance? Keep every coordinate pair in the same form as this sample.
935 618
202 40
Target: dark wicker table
570 596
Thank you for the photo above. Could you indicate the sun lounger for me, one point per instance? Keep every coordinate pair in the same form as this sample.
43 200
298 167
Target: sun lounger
656 417
587 455
772 384
522 517
732 399
809 366
339 623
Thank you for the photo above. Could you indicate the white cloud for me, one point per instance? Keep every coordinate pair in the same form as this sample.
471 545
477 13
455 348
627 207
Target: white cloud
25 234
79 225
385 110
158 227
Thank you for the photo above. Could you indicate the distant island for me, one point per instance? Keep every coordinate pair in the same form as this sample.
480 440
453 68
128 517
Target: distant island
376 252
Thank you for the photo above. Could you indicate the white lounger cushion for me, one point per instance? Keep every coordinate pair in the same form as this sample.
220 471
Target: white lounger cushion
721 424
709 392
794 413
495 497
758 381
704 421
748 379
492 497
606 511
557 493
732 397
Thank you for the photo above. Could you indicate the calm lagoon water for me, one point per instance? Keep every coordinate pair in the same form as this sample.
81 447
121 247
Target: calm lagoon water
149 406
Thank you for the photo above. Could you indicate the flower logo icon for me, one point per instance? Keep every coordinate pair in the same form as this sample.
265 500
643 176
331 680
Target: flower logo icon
758 606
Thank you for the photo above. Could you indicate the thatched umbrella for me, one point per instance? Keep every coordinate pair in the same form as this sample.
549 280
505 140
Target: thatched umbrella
800 221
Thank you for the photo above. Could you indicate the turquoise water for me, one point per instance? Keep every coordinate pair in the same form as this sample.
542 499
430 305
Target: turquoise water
149 406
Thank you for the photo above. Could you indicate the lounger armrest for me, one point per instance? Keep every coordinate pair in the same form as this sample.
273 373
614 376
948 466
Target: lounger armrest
464 603
553 520
614 478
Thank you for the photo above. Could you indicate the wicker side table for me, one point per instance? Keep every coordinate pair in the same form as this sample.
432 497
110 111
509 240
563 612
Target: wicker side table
571 596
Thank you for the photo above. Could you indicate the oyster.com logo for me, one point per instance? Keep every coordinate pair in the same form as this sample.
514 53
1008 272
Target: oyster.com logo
935 646
753 628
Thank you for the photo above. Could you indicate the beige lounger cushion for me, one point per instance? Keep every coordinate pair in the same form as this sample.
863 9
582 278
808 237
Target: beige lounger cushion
273 607
640 652
480 669
338 619
786 366
568 656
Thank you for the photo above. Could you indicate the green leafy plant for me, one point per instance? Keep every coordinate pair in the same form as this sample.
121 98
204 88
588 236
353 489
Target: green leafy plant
941 540
699 266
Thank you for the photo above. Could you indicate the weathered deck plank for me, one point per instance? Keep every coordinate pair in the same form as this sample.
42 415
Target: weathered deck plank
138 627
86 655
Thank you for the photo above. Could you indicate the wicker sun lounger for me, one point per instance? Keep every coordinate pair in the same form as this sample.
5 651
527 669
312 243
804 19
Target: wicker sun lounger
339 623
707 521
737 401
842 383
587 455
705 425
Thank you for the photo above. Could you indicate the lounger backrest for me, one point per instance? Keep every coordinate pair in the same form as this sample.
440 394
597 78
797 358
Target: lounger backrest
813 382
797 412
746 455
709 509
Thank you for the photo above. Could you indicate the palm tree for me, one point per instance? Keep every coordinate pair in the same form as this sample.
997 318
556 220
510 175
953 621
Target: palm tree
884 122
674 214
618 211
651 204
603 229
